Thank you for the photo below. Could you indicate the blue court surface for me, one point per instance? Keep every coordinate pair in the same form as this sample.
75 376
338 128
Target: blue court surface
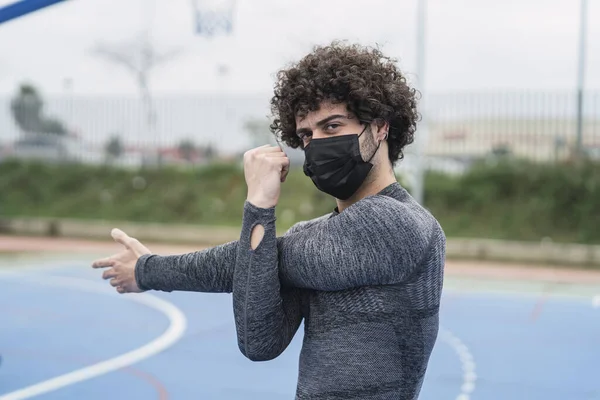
65 334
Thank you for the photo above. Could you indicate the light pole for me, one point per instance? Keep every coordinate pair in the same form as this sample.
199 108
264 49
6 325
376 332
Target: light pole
581 75
421 134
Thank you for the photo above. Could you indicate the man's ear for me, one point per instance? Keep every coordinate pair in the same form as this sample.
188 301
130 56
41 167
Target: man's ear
382 129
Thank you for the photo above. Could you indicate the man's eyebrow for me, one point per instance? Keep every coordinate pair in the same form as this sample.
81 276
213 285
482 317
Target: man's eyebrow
322 122
330 118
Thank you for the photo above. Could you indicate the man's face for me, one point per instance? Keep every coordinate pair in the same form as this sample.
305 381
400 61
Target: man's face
332 120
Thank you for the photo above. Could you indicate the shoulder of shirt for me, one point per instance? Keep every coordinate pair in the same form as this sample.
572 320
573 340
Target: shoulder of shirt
401 214
382 204
307 224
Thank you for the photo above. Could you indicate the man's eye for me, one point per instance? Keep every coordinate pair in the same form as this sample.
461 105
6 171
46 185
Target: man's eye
330 127
305 138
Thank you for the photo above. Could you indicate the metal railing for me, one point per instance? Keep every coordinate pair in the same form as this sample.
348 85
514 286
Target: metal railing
463 127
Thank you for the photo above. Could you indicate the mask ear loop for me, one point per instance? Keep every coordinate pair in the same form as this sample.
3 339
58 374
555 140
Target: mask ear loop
363 131
377 149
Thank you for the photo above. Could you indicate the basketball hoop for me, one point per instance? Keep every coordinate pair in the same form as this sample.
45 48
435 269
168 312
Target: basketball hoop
213 17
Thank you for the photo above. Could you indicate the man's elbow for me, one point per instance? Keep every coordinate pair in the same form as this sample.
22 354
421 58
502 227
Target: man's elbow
258 357
261 354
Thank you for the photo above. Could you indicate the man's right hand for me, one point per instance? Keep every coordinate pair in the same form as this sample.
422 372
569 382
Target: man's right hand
121 266
265 168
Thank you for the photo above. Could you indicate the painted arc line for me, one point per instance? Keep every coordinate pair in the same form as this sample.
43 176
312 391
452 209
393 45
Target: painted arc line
469 374
170 336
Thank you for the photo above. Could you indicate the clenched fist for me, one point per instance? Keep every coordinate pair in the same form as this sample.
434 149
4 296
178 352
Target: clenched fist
265 168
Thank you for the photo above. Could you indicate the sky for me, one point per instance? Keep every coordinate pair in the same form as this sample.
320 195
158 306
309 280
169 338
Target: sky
472 45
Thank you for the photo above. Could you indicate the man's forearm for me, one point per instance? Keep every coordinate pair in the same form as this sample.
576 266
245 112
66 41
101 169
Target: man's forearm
266 317
209 270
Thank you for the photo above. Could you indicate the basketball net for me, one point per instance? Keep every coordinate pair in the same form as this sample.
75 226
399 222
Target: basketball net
213 17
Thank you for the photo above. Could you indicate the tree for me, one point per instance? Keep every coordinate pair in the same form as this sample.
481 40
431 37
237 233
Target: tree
114 148
187 150
139 58
52 125
209 151
27 108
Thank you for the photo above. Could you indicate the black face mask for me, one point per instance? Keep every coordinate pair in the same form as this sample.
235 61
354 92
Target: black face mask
336 166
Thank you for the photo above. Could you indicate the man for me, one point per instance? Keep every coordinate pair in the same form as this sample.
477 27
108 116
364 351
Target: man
366 279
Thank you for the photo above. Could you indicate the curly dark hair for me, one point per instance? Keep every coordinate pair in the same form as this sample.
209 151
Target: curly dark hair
369 83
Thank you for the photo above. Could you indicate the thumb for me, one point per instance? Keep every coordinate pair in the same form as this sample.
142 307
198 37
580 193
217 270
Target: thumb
130 243
285 169
120 237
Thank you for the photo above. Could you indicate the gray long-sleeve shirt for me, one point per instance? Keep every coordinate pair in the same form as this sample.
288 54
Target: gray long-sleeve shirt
367 282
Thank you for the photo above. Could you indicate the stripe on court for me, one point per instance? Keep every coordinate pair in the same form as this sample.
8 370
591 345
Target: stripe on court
467 363
173 333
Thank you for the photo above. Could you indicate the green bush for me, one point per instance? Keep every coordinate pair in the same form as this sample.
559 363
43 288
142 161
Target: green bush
516 200
509 200
211 195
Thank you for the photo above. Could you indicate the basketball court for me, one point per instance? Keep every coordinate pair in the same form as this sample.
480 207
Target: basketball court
66 334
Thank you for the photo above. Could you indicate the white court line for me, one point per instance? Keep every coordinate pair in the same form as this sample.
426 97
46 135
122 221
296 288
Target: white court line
173 333
467 361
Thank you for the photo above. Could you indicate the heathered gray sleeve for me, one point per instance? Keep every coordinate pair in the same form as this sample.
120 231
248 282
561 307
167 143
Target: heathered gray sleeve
257 292
376 241
209 270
